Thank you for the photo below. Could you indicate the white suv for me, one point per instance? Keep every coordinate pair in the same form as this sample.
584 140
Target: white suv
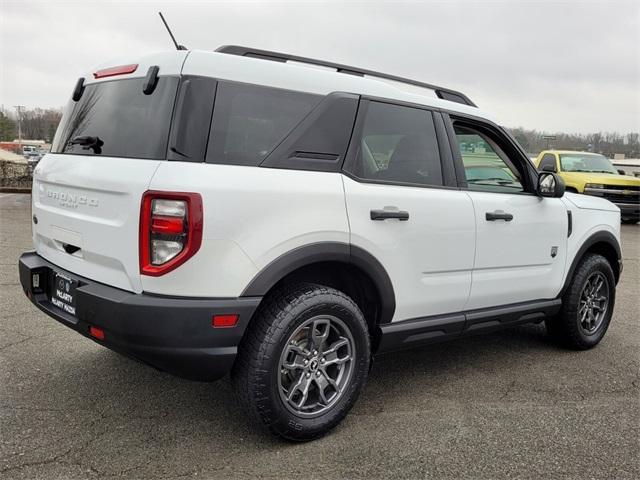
284 219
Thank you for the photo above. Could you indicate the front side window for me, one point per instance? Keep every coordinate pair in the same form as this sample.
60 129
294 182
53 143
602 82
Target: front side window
485 165
397 144
117 119
586 162
250 121
548 161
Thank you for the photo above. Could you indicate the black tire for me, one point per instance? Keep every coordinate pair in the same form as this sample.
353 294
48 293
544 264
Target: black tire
630 221
258 374
567 326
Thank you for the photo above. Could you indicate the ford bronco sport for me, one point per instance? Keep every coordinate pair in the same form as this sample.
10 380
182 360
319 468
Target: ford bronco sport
285 219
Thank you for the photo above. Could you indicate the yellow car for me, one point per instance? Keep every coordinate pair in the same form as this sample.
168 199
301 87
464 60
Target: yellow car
593 174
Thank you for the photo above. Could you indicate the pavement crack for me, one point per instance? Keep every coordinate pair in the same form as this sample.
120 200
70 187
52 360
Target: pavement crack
508 390
48 461
15 343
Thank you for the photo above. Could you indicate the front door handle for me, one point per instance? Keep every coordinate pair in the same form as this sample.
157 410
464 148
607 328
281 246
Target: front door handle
498 215
384 214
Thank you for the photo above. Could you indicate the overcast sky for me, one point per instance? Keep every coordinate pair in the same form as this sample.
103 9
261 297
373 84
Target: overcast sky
554 66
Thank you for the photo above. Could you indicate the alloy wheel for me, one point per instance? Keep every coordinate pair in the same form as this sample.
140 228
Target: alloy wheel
593 304
316 366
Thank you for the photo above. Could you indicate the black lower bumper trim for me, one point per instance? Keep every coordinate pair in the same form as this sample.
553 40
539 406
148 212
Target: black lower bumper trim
173 334
629 211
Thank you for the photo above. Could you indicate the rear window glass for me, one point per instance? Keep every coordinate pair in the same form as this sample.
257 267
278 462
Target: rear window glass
127 122
250 121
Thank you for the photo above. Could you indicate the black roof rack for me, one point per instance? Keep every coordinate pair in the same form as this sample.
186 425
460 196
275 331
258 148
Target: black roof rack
441 92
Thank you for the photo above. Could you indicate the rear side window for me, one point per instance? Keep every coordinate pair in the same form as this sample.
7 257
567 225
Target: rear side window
126 122
397 144
250 121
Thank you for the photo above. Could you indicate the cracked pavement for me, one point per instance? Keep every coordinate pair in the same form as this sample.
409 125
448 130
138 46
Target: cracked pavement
509 404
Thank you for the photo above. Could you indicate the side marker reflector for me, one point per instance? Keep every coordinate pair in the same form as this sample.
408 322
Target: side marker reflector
96 332
224 321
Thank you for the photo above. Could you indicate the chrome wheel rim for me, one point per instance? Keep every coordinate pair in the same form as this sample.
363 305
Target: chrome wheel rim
594 302
316 365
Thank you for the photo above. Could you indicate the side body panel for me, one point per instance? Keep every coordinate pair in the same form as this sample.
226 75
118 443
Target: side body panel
522 259
429 257
251 217
602 216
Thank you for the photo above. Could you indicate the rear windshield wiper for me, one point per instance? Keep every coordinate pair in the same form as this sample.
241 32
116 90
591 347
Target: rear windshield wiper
87 142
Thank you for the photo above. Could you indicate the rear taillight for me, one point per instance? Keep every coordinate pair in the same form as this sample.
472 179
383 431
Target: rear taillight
170 230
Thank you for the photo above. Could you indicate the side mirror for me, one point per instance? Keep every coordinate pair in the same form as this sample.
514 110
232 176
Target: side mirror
549 168
621 172
550 185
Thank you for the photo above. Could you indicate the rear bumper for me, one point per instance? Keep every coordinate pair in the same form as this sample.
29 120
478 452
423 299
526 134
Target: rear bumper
173 334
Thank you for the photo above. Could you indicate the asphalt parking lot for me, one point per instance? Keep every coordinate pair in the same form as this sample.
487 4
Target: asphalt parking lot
504 405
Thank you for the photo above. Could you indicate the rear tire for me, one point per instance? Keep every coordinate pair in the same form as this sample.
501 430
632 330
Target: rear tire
630 221
587 305
303 361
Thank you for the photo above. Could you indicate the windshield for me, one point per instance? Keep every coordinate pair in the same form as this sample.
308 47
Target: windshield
117 119
586 162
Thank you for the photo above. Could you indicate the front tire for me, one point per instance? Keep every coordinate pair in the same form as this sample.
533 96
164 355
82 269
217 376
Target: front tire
587 305
303 361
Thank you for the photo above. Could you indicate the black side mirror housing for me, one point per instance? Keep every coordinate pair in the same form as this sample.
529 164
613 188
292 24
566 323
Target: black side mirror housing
621 172
549 168
550 185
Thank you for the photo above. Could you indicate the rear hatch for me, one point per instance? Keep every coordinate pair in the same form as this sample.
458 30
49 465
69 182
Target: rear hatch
87 192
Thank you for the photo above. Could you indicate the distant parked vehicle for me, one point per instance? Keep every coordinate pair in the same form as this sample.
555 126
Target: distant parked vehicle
28 150
630 166
34 158
593 174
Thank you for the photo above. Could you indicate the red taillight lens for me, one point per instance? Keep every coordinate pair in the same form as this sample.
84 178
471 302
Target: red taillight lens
113 71
170 230
168 225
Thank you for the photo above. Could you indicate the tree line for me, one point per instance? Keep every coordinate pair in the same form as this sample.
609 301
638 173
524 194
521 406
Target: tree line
606 143
35 124
41 124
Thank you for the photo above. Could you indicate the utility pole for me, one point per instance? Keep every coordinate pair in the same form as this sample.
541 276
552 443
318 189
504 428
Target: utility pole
19 114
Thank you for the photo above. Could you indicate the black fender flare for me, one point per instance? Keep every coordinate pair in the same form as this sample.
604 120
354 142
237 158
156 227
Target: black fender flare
326 252
598 237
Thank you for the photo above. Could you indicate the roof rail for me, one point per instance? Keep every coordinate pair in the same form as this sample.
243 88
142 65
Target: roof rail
441 92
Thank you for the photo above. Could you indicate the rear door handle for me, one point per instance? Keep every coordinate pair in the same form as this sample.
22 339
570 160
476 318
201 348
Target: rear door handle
384 214
498 215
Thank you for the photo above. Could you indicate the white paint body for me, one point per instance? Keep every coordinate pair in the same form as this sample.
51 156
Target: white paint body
446 258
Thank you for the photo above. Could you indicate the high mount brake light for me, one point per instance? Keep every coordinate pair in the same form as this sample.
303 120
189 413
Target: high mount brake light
170 230
113 71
